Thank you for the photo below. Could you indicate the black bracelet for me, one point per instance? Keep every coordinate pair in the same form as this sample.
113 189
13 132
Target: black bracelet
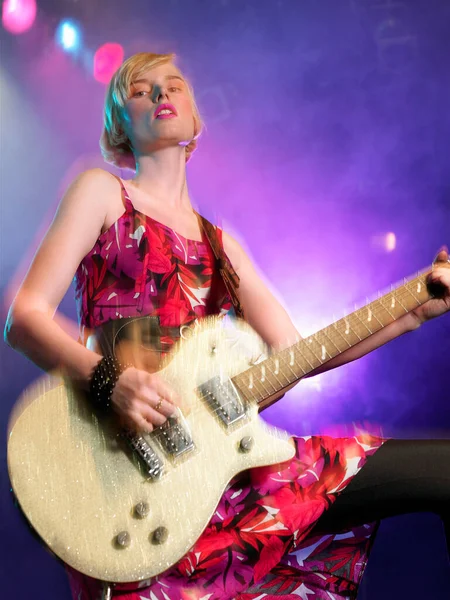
103 380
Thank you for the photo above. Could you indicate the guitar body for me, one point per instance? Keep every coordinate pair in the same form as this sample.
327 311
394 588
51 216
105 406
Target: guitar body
80 484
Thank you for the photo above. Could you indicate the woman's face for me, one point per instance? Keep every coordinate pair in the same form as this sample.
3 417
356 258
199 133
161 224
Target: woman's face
147 128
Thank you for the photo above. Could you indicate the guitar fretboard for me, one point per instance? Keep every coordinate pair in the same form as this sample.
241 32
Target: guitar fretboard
266 381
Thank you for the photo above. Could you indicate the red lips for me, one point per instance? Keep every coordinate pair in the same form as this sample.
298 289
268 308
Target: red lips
165 107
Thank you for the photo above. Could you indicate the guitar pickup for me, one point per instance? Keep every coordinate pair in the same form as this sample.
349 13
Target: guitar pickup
223 400
174 436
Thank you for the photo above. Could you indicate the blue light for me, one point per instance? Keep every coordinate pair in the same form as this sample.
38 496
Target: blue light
68 35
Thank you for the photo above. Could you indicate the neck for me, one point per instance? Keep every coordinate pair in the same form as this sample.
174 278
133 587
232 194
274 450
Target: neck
267 380
162 176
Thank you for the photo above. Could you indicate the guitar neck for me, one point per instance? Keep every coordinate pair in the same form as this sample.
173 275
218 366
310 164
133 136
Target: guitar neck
268 380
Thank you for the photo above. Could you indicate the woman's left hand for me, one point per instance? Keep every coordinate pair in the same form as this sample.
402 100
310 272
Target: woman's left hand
440 276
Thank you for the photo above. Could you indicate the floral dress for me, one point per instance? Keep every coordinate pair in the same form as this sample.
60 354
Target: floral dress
260 542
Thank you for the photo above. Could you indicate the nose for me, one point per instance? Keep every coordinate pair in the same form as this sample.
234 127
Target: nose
159 93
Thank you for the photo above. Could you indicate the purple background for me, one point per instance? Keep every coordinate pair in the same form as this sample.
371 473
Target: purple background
328 126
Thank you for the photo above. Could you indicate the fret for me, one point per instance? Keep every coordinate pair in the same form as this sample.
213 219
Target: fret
344 338
299 347
310 343
397 298
372 307
291 357
308 355
279 373
349 329
265 378
335 340
325 340
250 386
276 369
362 322
388 302
417 302
285 366
241 382
302 364
383 314
345 331
243 391
258 386
415 285
280 385
288 357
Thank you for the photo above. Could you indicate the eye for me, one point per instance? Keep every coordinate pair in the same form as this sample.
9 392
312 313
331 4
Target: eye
174 88
139 94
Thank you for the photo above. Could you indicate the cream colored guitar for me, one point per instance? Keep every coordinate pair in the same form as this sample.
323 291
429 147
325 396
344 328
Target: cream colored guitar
124 510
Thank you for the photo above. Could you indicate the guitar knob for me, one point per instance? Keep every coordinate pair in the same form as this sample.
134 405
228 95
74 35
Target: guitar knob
123 539
141 510
246 444
160 535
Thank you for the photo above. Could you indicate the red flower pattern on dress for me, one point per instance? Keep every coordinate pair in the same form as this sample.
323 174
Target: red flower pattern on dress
260 542
141 267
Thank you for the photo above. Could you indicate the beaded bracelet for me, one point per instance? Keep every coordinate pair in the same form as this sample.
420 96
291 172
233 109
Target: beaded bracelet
103 380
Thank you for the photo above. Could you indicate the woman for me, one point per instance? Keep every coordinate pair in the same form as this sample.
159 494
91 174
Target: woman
138 249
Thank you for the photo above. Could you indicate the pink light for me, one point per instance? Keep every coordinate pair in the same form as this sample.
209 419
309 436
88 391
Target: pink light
107 60
387 242
18 15
390 241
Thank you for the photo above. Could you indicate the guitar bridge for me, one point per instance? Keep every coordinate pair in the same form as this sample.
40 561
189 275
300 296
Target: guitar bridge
223 400
151 461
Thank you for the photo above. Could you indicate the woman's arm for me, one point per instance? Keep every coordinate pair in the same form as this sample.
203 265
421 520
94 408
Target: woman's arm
30 327
270 320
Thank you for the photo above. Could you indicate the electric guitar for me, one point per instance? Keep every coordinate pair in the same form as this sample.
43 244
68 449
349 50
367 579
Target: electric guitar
122 507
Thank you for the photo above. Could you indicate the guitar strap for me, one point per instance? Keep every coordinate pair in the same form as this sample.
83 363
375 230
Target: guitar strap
225 268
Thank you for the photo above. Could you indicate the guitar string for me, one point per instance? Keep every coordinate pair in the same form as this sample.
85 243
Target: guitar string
398 295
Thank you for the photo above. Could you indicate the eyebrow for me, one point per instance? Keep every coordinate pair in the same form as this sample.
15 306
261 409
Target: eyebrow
168 77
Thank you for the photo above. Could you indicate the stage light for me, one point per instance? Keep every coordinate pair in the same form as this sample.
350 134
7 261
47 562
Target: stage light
387 242
390 241
18 15
68 35
107 60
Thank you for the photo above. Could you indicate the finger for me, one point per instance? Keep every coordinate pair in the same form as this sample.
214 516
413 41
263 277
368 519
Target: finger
151 397
134 422
440 274
166 392
164 407
152 416
442 255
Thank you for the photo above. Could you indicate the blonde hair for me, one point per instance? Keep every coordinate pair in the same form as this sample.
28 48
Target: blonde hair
114 143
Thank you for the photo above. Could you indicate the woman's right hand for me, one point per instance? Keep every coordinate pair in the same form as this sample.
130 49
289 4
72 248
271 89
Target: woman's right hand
142 400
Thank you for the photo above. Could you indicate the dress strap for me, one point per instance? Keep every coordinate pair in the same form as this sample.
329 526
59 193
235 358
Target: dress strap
125 196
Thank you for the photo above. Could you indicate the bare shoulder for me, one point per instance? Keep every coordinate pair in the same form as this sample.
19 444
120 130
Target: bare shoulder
90 198
97 183
234 250
72 234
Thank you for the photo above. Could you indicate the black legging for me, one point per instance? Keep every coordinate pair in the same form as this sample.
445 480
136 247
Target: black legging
403 476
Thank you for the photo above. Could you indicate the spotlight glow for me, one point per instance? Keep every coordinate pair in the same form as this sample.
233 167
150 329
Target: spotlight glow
68 36
107 60
386 242
390 241
18 15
